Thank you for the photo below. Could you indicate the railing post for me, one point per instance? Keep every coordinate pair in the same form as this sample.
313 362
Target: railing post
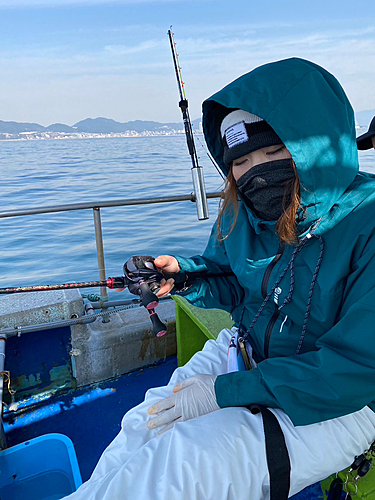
3 443
100 254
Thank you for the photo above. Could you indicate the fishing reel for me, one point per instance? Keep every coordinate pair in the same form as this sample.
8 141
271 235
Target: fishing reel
143 279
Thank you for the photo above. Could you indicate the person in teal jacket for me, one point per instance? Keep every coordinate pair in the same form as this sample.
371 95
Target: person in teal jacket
295 241
309 111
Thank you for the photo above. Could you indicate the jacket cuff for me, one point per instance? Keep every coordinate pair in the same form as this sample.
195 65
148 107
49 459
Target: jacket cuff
243 388
189 265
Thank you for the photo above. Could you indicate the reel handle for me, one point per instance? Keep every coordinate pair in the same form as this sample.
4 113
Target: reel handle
158 327
148 298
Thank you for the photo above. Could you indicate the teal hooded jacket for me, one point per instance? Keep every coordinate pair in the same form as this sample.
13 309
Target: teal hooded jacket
314 340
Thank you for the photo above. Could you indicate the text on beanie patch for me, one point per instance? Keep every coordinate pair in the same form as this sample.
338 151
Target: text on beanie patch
236 134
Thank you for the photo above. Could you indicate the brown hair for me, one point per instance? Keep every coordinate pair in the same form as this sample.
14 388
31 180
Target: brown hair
286 226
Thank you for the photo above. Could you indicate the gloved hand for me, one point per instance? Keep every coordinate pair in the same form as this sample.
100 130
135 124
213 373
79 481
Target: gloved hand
192 397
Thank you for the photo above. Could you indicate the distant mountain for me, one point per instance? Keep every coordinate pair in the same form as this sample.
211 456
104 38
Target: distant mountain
17 128
60 127
108 126
105 126
94 126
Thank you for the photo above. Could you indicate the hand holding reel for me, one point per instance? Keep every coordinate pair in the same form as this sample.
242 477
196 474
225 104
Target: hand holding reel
144 280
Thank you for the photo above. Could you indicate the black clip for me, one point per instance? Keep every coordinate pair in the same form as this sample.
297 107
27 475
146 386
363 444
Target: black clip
336 489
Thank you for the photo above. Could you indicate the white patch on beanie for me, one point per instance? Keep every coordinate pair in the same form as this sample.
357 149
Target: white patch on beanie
233 126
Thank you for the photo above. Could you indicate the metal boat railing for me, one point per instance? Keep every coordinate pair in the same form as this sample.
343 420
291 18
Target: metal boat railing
96 206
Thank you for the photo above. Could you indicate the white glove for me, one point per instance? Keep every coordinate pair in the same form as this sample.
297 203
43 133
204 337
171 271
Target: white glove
193 397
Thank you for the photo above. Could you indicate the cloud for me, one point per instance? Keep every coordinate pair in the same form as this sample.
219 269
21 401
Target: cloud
342 47
121 50
348 52
135 78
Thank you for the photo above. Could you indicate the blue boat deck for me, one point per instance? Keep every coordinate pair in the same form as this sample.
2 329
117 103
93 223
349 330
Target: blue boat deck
90 416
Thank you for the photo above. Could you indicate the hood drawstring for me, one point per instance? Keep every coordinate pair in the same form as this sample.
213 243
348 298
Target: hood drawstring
288 298
313 281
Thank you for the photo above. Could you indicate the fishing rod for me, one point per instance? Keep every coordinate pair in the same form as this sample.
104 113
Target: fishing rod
141 277
196 171
210 158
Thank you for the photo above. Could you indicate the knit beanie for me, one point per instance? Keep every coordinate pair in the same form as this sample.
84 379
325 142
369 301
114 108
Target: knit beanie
242 133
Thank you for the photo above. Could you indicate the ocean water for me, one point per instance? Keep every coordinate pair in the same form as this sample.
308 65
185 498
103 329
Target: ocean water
60 247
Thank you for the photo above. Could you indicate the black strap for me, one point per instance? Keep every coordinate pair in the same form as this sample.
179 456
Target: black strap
276 453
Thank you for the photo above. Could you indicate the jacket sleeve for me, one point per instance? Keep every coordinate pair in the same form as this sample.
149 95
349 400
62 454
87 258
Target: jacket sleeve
220 292
336 379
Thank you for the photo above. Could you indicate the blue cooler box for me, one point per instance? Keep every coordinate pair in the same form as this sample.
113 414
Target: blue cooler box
44 468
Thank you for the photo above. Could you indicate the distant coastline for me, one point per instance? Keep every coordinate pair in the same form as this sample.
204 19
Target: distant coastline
105 128
42 136
91 128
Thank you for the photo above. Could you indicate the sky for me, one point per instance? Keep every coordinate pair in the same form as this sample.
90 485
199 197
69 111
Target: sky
62 61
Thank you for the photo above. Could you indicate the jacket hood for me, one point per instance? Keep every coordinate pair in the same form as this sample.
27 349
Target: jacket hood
308 109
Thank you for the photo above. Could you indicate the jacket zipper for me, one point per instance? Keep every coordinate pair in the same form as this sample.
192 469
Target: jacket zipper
270 267
276 313
271 324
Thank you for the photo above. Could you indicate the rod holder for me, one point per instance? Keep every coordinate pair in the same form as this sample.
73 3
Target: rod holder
200 193
100 254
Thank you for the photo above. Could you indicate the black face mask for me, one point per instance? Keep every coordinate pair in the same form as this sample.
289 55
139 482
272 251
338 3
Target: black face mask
262 188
